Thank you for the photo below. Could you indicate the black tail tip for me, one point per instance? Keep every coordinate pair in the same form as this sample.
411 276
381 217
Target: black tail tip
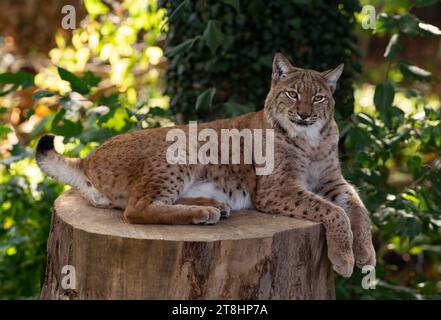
45 144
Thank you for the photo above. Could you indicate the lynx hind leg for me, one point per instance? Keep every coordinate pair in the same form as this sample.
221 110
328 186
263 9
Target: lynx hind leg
151 202
225 210
161 213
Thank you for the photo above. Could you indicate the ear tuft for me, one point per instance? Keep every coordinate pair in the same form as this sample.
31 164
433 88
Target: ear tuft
332 76
281 66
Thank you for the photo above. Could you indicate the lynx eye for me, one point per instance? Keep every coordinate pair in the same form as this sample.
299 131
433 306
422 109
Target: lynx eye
318 98
292 94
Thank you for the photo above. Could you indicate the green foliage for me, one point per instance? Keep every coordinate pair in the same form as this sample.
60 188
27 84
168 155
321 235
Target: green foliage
120 45
25 204
84 108
16 80
220 56
228 46
25 219
392 154
220 65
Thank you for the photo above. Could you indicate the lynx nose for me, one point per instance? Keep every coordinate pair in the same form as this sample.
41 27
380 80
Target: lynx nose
303 115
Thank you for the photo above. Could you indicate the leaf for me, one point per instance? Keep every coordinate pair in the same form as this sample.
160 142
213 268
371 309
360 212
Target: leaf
409 226
234 3
76 83
99 110
43 94
394 45
138 116
64 127
180 48
213 36
111 101
178 11
38 129
437 135
59 116
408 24
429 30
159 112
411 72
4 130
95 7
96 134
384 96
234 109
205 99
424 3
91 79
21 78
8 91
18 79
414 164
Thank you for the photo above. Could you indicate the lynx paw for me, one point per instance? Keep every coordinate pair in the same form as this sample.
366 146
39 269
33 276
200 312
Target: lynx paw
225 210
207 215
364 252
341 256
344 267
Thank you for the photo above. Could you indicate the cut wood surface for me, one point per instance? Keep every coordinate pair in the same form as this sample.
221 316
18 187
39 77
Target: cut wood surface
250 255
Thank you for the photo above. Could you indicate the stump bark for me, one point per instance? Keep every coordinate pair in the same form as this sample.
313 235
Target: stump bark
251 255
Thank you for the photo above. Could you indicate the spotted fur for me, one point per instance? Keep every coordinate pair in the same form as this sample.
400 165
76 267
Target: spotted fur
130 171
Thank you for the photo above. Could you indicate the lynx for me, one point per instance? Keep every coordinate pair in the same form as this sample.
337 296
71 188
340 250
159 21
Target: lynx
130 171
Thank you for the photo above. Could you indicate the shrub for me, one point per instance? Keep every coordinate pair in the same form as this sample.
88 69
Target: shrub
220 52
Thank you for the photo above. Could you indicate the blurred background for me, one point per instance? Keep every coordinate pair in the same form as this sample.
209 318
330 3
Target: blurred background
134 64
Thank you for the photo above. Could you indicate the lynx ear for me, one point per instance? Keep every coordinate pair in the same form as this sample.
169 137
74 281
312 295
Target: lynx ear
281 67
332 76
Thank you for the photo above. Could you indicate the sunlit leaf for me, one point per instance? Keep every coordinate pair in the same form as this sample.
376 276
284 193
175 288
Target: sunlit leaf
415 73
394 45
430 30
4 130
95 7
411 198
76 83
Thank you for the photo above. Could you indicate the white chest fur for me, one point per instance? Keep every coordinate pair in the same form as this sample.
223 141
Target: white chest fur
312 176
237 201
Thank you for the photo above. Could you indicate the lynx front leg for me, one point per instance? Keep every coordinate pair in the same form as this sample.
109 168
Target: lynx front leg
340 192
299 203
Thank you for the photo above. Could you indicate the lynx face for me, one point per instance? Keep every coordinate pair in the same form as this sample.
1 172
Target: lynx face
300 100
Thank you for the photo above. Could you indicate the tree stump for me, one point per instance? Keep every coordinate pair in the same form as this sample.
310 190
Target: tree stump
251 255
